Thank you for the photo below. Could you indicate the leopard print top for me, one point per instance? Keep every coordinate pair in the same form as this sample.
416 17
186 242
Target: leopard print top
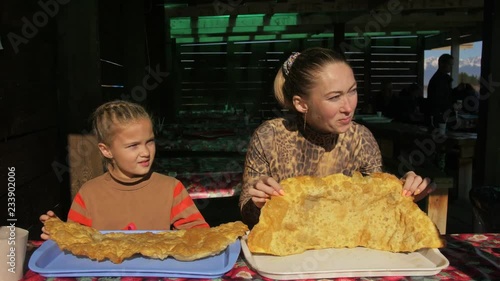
282 148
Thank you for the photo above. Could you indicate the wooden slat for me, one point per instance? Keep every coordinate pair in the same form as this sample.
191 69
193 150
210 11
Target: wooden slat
32 155
437 208
394 72
85 160
394 57
344 9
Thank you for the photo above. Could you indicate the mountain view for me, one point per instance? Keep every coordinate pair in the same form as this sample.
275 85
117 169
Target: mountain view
470 65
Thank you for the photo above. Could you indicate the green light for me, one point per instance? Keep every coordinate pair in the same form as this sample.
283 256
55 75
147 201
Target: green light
249 20
213 17
263 37
173 6
211 39
184 40
178 23
428 32
244 29
374 34
238 38
294 36
274 28
188 31
400 33
284 19
255 20
213 22
322 35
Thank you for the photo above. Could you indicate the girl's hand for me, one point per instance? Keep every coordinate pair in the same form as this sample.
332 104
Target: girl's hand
45 235
263 189
415 185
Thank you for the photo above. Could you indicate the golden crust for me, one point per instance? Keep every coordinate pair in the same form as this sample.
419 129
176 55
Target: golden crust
184 245
338 211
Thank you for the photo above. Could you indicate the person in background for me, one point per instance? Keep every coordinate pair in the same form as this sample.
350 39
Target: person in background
409 105
319 137
467 96
385 100
129 195
439 90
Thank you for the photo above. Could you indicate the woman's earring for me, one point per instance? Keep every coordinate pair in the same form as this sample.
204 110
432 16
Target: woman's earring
305 119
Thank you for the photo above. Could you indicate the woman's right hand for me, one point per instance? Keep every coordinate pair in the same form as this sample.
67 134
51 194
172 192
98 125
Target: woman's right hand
263 189
45 235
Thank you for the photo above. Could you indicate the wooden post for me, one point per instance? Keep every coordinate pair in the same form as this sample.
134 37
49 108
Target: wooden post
488 145
437 208
161 97
338 36
85 161
464 177
455 52
78 64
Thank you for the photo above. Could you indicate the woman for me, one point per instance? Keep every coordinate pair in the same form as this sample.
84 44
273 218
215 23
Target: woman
320 139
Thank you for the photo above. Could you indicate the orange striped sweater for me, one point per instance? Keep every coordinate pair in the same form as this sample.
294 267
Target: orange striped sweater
155 202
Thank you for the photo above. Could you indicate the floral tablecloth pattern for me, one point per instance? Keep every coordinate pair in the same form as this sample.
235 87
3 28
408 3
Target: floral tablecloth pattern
471 256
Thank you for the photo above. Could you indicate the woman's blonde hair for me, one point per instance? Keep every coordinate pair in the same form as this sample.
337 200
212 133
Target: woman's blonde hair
111 115
298 74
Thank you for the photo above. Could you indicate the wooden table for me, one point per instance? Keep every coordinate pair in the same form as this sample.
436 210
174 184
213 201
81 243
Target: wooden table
471 257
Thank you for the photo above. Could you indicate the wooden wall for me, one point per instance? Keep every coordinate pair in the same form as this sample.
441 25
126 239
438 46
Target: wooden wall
29 134
395 59
240 75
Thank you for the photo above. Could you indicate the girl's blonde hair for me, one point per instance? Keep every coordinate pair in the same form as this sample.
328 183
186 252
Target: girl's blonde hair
298 76
111 115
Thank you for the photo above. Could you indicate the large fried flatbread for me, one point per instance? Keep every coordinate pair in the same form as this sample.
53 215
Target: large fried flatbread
184 245
338 211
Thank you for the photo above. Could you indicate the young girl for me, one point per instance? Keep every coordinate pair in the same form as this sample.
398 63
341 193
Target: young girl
129 195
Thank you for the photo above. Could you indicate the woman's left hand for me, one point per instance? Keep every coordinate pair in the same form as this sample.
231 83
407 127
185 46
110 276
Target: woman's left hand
415 185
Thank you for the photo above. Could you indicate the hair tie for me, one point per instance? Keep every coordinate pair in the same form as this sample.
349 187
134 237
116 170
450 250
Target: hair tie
287 65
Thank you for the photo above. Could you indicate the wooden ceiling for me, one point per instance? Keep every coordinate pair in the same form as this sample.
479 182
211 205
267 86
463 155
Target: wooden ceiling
226 20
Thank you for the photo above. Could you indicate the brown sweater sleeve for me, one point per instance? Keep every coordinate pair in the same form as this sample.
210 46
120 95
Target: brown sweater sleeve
256 165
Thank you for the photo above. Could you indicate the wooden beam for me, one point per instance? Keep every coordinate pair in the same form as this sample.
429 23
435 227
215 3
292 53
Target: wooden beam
416 20
440 40
313 29
218 8
254 21
440 4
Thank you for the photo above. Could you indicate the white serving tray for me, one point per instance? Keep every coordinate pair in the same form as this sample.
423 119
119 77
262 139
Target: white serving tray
354 262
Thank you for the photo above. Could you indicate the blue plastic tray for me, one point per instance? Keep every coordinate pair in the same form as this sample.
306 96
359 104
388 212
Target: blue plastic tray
50 261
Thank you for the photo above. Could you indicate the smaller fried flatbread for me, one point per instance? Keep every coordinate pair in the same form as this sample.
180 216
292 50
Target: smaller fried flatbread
184 245
338 211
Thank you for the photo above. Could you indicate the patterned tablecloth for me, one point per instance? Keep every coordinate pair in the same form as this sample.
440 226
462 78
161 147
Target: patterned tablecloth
207 160
471 256
205 177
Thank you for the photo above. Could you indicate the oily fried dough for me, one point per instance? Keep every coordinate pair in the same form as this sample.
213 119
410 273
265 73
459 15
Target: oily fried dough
184 245
338 211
